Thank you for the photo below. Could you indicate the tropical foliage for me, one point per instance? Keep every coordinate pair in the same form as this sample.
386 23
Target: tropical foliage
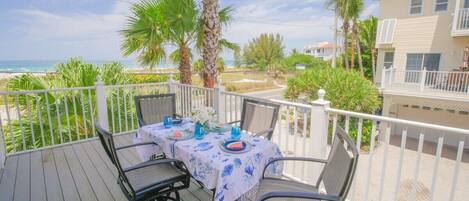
199 66
53 115
345 89
263 51
155 24
304 59
367 36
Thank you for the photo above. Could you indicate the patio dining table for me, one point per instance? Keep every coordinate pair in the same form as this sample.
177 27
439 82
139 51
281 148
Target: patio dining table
231 175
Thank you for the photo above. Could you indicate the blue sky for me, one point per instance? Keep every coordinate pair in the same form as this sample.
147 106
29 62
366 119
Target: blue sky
59 29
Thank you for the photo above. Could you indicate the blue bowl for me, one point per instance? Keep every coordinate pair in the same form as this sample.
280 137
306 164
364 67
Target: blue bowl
233 149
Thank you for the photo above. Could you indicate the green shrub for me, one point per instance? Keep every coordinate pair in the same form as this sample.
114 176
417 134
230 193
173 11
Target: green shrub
307 60
139 78
345 89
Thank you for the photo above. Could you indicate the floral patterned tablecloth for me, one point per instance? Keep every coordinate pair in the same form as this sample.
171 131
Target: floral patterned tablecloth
232 175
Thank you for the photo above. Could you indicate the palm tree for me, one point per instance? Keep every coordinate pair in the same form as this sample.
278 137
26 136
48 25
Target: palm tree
341 8
210 41
367 37
355 7
155 24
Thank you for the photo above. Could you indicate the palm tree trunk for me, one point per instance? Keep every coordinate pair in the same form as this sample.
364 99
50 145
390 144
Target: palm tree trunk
185 65
345 29
357 43
210 43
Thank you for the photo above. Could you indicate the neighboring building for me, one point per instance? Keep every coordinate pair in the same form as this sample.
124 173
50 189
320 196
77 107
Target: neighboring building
323 50
421 47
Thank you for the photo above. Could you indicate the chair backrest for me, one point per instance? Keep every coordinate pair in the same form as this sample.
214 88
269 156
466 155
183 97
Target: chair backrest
153 108
259 116
107 141
338 173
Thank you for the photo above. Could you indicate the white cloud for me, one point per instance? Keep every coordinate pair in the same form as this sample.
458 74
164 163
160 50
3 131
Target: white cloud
299 22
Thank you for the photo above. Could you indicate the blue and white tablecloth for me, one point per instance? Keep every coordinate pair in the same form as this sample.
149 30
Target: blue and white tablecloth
232 175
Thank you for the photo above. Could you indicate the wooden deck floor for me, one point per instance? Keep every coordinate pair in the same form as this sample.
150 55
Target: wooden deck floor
79 171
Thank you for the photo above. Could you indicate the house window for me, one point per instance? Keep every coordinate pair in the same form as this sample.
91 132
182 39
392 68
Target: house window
419 61
416 7
388 59
441 5
416 62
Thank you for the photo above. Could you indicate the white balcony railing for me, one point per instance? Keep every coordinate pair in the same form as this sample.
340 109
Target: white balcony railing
387 170
434 81
462 19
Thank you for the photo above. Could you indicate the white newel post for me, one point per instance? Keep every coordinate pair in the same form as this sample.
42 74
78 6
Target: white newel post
3 149
422 79
171 88
319 128
101 104
219 101
383 78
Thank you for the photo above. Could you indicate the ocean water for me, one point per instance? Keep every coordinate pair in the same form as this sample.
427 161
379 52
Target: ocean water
21 66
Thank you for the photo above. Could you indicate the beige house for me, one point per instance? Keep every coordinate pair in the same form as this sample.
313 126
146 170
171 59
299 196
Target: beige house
421 47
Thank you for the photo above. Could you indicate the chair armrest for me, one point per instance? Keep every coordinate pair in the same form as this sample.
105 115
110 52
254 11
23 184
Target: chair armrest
316 160
303 195
136 144
178 163
234 122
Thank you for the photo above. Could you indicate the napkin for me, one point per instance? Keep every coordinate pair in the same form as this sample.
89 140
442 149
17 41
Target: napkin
177 134
235 145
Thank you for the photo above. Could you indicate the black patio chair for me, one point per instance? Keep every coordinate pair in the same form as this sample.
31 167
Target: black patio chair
258 117
337 175
152 109
151 180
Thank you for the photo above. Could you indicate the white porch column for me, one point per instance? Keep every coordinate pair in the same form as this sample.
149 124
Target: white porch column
171 88
319 124
457 8
3 148
383 78
219 101
423 77
101 104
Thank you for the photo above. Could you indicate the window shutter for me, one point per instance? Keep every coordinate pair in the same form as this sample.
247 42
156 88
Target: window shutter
386 29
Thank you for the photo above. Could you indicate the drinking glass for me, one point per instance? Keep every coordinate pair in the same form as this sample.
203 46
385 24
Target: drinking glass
235 133
167 121
198 131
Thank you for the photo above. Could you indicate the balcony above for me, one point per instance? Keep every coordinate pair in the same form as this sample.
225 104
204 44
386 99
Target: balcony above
445 85
461 23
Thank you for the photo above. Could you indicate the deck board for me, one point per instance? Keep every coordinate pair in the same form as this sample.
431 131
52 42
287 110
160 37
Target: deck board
51 176
23 177
7 184
69 189
38 192
80 171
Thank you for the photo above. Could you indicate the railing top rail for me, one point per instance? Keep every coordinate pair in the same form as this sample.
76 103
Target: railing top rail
399 121
192 86
428 71
136 85
44 90
281 102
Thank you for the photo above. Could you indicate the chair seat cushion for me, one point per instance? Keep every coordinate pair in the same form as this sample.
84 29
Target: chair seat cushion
152 175
271 185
